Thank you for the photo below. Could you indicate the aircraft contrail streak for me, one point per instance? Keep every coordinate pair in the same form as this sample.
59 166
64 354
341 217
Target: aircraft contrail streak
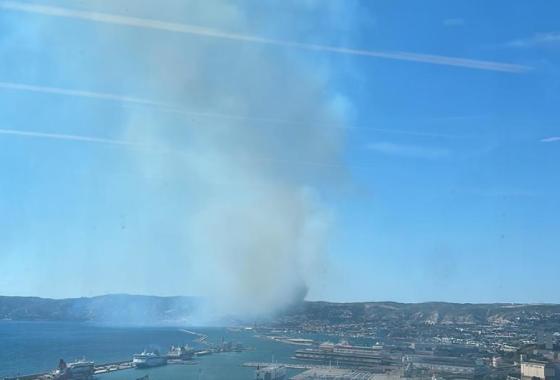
145 23
59 136
79 93
88 139
165 107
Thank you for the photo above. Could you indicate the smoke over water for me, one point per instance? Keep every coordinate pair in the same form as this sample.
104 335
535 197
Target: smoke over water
253 216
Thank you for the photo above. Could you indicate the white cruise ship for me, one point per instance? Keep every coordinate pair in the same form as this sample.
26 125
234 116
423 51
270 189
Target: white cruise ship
148 359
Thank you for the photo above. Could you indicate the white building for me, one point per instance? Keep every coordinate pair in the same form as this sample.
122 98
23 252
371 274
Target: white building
537 370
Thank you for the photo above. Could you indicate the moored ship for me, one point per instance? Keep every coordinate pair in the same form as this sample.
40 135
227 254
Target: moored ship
148 359
78 370
180 353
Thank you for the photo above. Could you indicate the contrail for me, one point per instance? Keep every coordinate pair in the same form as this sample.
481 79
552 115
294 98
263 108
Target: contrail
79 93
58 136
166 107
131 100
214 33
127 99
97 140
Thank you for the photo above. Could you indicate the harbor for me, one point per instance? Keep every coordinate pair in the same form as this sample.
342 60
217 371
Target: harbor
99 369
262 352
83 369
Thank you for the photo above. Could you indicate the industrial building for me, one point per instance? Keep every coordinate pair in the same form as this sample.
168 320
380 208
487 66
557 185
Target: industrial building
458 367
344 355
540 370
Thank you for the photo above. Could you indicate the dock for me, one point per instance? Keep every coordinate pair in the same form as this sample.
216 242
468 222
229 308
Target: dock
111 367
98 369
287 365
104 368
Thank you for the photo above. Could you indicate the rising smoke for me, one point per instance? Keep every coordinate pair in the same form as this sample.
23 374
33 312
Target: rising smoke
259 229
256 228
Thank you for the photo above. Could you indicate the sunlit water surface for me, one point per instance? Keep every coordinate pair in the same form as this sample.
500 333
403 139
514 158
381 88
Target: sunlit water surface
31 347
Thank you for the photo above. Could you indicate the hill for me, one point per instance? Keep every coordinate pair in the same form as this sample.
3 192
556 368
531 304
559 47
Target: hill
137 309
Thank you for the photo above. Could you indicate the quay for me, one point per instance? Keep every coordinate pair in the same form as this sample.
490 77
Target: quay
111 367
98 369
128 364
287 365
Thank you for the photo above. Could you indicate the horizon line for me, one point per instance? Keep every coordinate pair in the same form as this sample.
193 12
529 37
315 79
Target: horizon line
305 300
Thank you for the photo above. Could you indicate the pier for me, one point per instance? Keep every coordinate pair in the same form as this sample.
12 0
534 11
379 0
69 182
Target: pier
203 339
111 367
287 365
98 369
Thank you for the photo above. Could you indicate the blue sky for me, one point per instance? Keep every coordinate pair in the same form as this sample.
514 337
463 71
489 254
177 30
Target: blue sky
428 135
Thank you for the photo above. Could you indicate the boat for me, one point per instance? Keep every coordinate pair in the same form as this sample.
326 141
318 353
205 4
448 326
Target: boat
180 353
148 359
203 353
78 370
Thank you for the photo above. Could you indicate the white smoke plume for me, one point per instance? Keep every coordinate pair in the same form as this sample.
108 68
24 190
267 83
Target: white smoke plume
257 229
253 217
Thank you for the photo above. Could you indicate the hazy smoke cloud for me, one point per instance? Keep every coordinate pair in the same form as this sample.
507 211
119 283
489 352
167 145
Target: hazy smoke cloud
256 226
257 233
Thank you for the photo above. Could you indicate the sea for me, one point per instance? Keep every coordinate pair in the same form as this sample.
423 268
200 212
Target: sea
36 347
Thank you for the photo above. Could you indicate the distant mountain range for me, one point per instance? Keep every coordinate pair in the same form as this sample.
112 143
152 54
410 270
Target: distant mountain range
433 313
136 309
114 308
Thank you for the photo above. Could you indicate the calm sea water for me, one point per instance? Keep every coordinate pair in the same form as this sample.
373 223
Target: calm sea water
31 347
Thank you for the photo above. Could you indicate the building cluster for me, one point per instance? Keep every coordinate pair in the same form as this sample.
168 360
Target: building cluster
541 360
499 350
